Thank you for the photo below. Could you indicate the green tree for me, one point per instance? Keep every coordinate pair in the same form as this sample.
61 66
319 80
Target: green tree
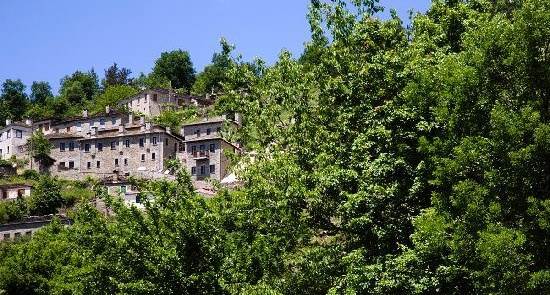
115 76
46 196
79 86
14 100
39 149
213 75
40 91
110 97
176 68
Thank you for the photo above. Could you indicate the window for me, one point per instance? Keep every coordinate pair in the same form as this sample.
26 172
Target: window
193 170
78 125
101 121
126 162
71 165
89 165
92 123
198 132
116 162
68 129
193 149
208 131
212 168
166 141
203 169
8 149
6 237
113 144
127 143
98 164
201 147
86 147
218 130
28 233
62 164
71 146
122 189
212 147
61 146
153 156
155 97
100 146
143 157
8 134
142 142
113 121
17 235
18 134
155 140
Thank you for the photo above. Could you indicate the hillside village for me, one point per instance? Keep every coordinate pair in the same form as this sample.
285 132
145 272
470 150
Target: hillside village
387 159
122 143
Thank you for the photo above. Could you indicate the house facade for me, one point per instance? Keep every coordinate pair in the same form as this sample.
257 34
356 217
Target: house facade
13 139
109 144
206 150
27 227
14 191
152 102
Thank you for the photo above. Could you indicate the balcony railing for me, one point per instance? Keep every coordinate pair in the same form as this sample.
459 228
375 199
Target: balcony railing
198 155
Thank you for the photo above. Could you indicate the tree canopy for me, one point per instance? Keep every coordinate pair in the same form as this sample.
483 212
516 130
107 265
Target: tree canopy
174 67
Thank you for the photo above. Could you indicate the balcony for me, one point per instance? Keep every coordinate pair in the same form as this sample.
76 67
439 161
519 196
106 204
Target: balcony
200 155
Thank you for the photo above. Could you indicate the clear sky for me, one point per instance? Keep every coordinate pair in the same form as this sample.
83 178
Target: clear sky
46 40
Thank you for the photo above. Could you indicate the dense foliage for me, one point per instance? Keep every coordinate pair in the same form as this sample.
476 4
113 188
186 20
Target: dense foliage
83 90
387 160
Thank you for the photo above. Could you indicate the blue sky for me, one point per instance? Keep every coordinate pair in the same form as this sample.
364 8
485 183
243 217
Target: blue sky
46 40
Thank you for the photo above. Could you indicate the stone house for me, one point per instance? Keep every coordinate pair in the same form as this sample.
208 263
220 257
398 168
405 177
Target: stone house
109 144
205 148
13 139
120 186
152 102
13 191
27 227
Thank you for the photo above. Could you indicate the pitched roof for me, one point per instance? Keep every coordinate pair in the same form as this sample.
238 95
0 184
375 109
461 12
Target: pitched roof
81 118
15 185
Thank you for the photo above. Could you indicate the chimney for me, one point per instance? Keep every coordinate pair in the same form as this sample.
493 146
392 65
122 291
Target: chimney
8 122
85 113
28 122
107 109
131 118
93 131
168 130
141 120
224 117
148 126
121 128
238 119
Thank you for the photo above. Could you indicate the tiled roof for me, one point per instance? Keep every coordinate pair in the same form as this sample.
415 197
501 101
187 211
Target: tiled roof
62 135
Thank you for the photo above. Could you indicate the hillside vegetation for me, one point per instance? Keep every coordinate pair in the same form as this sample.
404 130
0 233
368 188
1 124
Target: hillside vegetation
388 160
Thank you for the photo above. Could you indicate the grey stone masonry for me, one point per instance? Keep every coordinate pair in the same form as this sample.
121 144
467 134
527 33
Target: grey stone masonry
27 227
152 102
205 149
109 144
13 139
